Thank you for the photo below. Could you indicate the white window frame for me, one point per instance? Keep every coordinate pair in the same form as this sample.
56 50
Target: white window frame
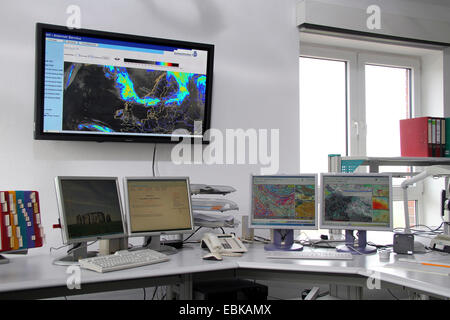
351 59
387 60
356 101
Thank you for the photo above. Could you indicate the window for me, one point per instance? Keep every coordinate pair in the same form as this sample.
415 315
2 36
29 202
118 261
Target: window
351 103
387 101
325 130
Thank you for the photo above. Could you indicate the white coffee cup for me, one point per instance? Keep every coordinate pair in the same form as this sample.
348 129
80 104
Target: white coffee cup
384 254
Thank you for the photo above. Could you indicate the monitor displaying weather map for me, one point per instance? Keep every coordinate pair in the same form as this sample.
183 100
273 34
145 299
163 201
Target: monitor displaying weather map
284 202
356 201
103 86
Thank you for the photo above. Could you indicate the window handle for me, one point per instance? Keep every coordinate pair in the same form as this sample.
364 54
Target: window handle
360 128
356 125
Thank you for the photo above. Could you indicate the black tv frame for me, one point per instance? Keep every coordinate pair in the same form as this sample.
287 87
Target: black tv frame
39 133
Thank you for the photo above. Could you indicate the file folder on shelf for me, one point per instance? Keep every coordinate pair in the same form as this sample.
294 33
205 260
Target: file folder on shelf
423 137
446 135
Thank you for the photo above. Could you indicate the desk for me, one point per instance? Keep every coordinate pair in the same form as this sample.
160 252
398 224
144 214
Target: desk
32 277
351 273
36 276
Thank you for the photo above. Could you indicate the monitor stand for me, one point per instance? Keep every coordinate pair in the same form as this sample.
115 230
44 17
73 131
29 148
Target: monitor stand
283 240
110 246
79 251
3 260
349 246
154 243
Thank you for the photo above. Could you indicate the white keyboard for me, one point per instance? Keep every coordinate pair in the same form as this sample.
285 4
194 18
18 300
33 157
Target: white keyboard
123 260
317 255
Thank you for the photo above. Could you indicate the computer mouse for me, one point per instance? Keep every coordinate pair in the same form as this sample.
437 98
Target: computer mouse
212 256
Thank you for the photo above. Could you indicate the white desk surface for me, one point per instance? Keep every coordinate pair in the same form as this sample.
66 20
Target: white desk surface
422 278
255 258
34 272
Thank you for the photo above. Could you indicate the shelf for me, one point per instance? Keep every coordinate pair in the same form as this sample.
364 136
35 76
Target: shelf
400 161
349 164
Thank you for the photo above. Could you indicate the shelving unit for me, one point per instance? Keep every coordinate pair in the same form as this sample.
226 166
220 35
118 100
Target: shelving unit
337 163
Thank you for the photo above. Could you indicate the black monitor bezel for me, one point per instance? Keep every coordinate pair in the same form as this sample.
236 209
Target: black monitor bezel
39 133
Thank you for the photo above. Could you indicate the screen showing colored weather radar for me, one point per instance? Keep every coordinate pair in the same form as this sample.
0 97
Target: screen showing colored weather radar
109 85
284 202
359 201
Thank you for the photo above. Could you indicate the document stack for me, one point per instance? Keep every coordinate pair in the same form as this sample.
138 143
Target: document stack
213 212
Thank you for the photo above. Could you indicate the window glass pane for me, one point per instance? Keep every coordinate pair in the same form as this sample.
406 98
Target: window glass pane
388 100
322 112
399 215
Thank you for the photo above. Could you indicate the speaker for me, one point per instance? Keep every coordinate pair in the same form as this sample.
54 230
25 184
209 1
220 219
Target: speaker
404 243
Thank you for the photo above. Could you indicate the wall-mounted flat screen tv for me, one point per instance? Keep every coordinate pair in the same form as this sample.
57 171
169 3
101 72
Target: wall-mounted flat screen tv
102 86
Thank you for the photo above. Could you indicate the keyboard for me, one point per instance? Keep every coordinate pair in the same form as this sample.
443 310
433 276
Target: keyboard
123 260
316 255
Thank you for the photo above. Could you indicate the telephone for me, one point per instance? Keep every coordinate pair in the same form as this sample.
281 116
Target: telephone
222 244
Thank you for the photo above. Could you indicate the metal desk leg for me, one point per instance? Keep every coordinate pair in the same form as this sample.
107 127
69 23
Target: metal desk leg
186 287
170 293
412 295
181 291
346 292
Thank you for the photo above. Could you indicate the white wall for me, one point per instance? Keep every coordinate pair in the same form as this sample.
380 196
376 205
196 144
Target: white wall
432 103
255 86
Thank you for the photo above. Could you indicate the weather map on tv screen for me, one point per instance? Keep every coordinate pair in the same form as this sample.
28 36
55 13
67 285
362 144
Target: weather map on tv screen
98 84
119 99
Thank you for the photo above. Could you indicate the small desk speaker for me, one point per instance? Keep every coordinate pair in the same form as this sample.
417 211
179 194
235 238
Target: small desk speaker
404 243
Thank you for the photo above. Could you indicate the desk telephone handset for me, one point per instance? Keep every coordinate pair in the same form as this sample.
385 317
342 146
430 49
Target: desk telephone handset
222 245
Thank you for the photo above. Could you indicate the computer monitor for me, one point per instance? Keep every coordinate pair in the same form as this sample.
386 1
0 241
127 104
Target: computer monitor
104 86
284 203
359 201
157 206
89 209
